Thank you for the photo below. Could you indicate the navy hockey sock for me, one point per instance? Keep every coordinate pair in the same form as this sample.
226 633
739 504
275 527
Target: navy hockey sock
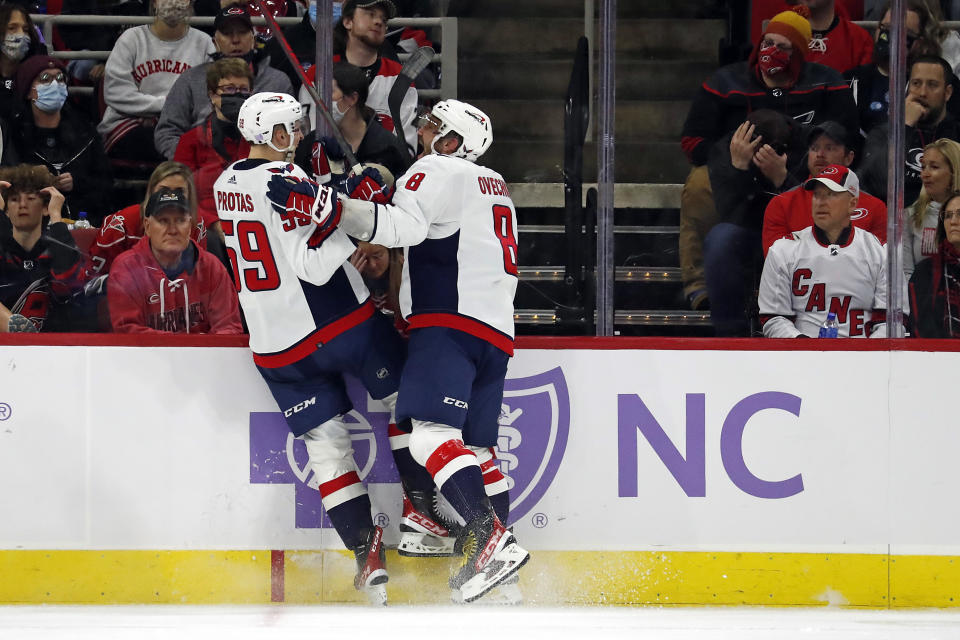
352 520
501 505
464 491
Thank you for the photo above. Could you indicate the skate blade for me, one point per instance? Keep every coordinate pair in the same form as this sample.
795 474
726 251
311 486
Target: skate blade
376 594
513 557
425 545
502 594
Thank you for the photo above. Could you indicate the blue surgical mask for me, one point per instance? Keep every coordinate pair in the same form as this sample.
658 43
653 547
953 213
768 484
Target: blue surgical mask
51 96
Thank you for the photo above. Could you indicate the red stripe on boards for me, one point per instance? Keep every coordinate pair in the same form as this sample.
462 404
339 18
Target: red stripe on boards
277 588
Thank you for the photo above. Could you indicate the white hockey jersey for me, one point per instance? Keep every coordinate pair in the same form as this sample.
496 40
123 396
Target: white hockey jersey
459 226
804 279
139 73
294 296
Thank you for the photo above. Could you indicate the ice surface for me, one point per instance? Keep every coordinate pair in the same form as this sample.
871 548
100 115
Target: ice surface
287 622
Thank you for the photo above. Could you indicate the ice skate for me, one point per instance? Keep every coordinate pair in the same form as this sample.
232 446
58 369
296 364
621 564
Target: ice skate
492 555
371 568
421 533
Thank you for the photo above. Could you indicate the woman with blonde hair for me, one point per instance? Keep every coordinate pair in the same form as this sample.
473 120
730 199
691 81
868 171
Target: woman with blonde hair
123 229
934 291
940 175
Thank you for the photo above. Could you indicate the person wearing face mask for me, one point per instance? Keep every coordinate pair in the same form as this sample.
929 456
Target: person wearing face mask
208 148
188 104
20 41
776 76
870 82
49 131
369 142
139 74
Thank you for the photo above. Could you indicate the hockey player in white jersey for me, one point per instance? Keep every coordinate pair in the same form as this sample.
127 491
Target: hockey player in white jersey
831 266
458 225
309 314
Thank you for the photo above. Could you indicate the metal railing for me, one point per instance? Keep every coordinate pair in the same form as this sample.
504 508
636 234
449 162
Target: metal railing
448 39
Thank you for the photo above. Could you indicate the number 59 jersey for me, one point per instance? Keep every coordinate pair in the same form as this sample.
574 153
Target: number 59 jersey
295 293
460 267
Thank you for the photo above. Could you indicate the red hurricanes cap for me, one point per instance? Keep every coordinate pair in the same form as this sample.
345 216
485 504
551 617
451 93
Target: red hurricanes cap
836 178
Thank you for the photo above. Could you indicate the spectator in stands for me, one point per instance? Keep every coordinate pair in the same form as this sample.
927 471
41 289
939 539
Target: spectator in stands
140 71
40 266
123 229
747 168
926 119
362 29
208 148
167 283
935 283
835 41
831 266
382 270
49 131
870 83
369 142
828 143
940 173
775 77
101 37
189 104
20 41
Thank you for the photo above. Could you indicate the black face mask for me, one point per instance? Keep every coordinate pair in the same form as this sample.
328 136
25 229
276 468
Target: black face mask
881 48
230 106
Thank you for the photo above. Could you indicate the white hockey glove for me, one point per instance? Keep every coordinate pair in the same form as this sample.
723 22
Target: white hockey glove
359 218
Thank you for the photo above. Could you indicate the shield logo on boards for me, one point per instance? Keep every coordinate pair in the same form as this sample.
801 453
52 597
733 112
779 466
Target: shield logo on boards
534 425
276 457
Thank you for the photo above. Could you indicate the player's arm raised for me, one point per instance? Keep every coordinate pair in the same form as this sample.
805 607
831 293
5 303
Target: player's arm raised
403 223
305 222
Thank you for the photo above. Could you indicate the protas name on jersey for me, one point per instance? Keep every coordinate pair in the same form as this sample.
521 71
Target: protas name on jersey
804 278
296 295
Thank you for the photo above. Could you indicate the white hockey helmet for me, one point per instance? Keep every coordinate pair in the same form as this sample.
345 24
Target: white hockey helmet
468 122
261 112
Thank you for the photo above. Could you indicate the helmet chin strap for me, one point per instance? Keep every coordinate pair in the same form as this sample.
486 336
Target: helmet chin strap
289 148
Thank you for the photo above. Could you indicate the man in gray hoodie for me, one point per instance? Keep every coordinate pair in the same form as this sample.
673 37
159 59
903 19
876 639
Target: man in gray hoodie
188 104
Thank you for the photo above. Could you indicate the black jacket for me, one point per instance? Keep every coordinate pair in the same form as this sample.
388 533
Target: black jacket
935 296
741 197
734 91
74 147
873 167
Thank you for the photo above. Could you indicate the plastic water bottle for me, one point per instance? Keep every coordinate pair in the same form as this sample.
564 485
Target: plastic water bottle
830 327
82 222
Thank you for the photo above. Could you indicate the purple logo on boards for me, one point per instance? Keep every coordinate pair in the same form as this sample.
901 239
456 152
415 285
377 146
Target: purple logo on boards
276 457
534 425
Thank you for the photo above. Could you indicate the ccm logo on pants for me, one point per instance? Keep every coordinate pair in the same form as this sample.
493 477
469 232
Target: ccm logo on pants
297 408
459 404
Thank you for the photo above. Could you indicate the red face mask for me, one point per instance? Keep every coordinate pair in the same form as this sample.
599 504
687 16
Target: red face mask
773 61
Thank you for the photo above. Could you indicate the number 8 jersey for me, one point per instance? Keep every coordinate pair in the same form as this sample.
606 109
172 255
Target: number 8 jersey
459 226
296 294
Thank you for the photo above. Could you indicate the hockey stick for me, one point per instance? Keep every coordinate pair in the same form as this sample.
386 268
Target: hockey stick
355 168
412 68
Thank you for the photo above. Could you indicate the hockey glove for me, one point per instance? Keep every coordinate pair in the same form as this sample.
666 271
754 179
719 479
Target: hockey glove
369 186
319 163
291 194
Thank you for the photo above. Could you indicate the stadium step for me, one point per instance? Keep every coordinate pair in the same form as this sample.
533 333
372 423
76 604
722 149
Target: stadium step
574 8
651 38
543 119
521 160
505 76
